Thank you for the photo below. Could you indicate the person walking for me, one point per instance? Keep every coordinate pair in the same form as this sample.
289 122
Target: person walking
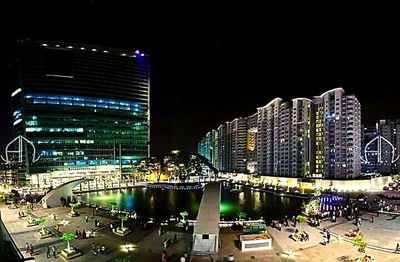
94 248
27 247
165 243
86 219
54 250
48 255
164 256
397 248
31 251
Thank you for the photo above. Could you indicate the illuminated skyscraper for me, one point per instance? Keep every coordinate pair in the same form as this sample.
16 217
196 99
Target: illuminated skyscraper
82 106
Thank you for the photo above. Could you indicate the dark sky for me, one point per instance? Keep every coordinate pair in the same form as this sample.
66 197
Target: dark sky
211 65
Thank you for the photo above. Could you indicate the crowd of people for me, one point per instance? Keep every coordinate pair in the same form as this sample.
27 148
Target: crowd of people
99 249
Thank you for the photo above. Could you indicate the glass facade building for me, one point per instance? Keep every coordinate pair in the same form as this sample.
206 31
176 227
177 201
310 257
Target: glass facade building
81 106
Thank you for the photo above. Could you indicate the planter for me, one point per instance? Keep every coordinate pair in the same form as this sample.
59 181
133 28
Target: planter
123 231
31 223
70 253
44 234
73 214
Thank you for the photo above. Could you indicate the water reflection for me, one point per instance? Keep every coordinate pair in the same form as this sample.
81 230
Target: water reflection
161 204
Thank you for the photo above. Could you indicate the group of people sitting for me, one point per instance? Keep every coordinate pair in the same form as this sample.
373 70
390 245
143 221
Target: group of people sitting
83 234
353 232
300 235
276 224
314 222
21 214
100 249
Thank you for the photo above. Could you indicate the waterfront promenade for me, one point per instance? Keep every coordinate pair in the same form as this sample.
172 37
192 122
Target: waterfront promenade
382 234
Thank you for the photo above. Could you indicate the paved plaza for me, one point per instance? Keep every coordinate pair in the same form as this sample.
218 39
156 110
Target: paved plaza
384 233
147 242
381 236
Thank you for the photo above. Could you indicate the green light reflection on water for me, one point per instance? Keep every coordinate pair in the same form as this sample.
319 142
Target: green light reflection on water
227 208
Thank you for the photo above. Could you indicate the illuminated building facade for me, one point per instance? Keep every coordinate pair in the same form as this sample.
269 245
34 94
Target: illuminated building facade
237 132
303 143
314 138
82 106
267 136
222 148
251 144
389 129
372 165
339 132
380 147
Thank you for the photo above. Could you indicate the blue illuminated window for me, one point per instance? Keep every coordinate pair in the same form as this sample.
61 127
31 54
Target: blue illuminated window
34 129
83 102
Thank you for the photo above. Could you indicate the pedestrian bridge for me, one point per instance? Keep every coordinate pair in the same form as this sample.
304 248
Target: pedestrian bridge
53 198
206 230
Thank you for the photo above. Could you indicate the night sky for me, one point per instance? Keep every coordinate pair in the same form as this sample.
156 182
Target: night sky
208 68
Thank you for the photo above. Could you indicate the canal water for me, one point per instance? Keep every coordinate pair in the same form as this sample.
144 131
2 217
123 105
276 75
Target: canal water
161 204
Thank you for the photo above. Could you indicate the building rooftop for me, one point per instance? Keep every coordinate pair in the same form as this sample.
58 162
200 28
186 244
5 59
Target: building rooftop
84 47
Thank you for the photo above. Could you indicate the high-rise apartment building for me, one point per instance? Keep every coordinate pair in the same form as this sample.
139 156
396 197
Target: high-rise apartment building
303 137
251 143
389 129
339 132
319 137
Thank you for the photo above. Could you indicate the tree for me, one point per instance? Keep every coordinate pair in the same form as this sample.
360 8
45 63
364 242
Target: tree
41 222
242 215
68 236
73 206
113 204
161 169
184 214
312 208
301 219
123 218
360 243
29 212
